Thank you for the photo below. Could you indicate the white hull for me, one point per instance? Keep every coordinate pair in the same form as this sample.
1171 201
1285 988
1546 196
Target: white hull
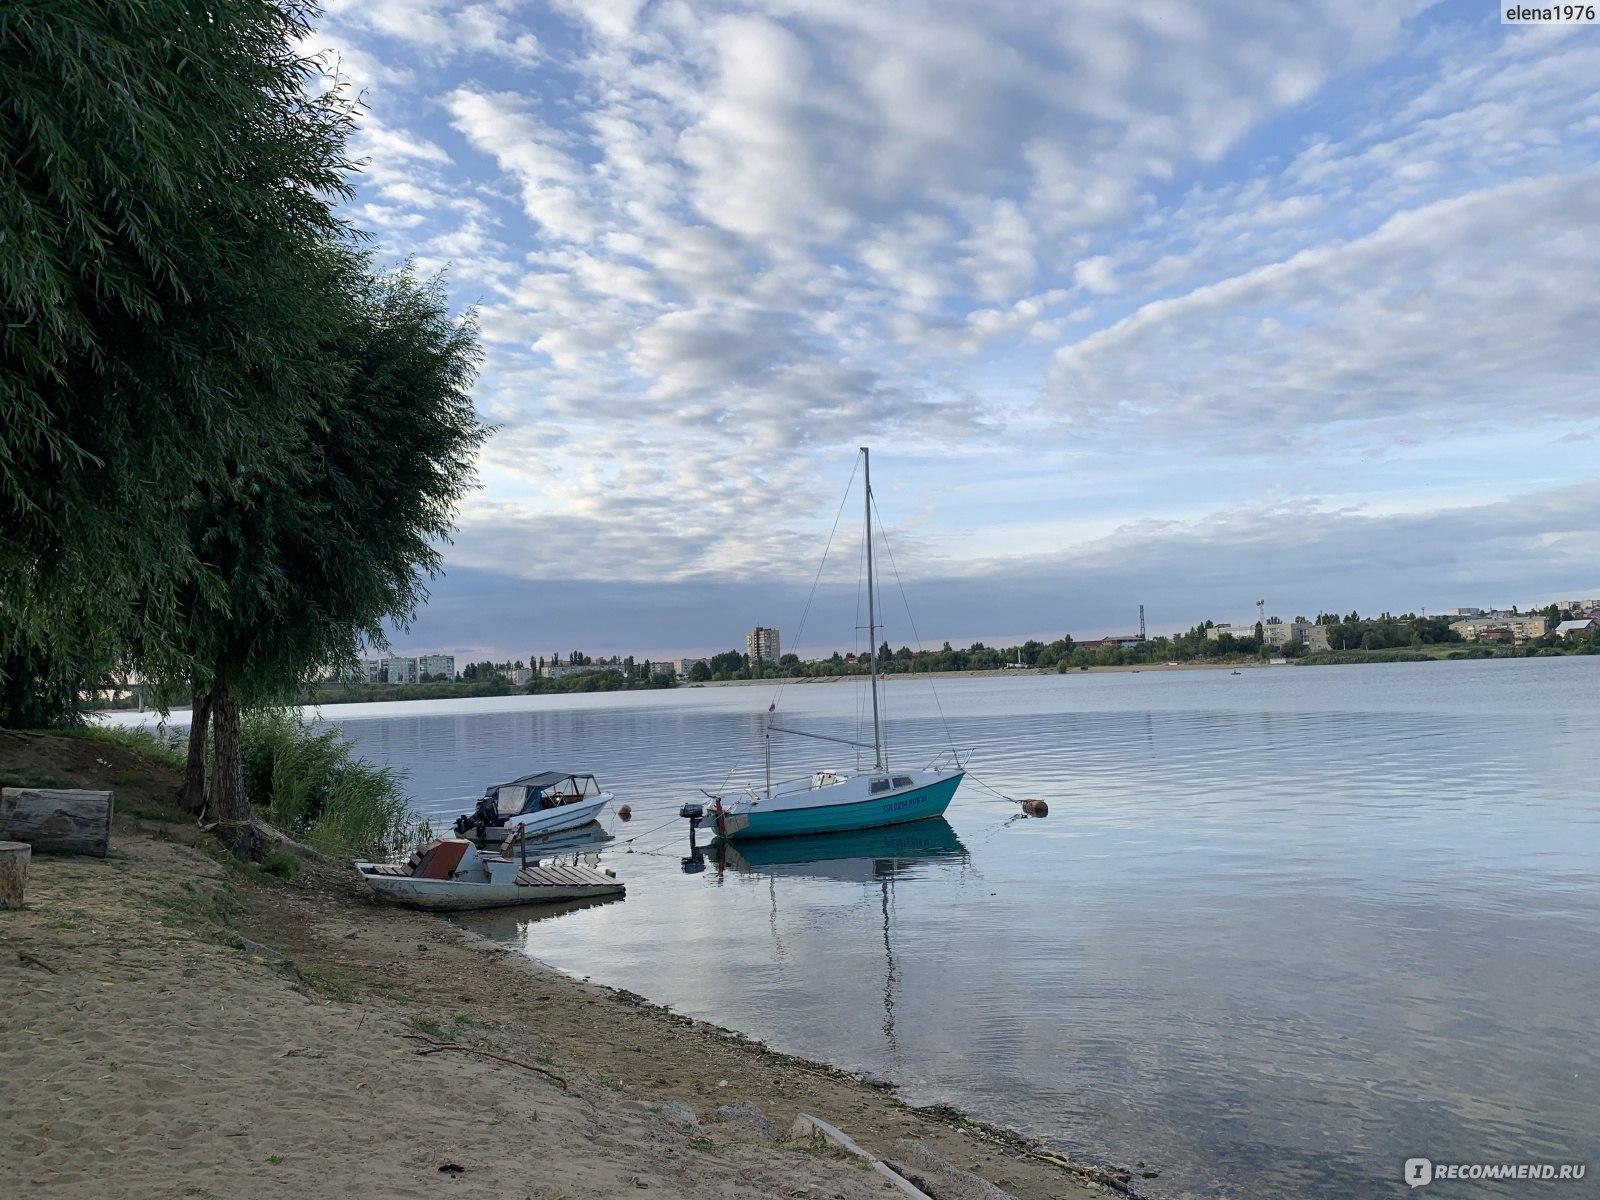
452 875
565 816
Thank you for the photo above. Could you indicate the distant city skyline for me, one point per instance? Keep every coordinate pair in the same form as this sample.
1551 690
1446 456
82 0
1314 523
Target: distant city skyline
819 645
1180 306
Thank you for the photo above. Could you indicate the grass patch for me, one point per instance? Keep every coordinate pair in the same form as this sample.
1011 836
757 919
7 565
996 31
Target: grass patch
203 909
281 863
328 982
703 1144
429 1028
315 789
28 780
823 1148
143 741
1347 657
392 992
154 810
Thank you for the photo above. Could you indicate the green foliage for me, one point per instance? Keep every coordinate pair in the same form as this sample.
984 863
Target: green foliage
165 214
147 743
280 863
316 563
313 788
367 693
43 683
609 679
730 664
1386 632
1341 657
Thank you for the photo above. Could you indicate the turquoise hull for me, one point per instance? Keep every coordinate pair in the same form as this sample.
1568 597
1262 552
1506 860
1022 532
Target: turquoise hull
928 801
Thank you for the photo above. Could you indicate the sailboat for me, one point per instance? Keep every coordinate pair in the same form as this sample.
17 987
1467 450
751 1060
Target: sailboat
831 801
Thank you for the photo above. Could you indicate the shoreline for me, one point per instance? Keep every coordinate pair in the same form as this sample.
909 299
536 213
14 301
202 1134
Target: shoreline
197 1024
1003 673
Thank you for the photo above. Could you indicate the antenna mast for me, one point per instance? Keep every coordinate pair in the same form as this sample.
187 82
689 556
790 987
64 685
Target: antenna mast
872 625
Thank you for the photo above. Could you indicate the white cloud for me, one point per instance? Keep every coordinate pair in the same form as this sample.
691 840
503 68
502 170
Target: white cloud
1451 312
716 246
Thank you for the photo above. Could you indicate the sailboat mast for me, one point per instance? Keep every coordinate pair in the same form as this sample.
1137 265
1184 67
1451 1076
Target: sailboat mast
872 624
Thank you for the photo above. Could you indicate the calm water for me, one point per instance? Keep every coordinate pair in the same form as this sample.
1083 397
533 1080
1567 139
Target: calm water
1280 931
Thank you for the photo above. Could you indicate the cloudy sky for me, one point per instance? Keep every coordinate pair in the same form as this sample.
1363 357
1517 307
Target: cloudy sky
1182 304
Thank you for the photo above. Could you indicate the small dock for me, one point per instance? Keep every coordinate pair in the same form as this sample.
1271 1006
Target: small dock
585 881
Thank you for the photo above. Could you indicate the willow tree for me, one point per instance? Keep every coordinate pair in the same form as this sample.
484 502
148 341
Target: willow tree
167 175
319 559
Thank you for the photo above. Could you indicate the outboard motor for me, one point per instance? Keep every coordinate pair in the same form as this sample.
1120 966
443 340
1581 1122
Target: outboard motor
486 814
694 814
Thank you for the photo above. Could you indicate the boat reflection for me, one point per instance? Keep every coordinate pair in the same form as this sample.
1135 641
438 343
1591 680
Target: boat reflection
881 857
859 856
573 846
511 924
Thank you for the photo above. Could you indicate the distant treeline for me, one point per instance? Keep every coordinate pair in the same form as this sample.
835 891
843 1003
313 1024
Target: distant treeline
601 679
1355 640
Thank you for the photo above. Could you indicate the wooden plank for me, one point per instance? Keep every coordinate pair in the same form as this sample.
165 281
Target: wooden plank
59 820
813 1129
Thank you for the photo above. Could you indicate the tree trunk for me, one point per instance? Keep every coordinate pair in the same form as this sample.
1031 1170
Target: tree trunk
13 872
193 797
225 791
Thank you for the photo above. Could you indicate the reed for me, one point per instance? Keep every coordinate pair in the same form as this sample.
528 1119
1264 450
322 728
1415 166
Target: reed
312 787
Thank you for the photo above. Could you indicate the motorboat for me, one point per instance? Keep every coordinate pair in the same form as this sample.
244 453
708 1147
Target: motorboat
453 875
534 804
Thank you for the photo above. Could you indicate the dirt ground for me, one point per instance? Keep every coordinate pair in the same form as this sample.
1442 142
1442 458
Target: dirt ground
179 1025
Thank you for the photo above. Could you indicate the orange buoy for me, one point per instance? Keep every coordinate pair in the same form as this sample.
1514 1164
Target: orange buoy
625 812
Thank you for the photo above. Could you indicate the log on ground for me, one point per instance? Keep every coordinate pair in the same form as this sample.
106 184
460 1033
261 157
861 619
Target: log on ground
56 819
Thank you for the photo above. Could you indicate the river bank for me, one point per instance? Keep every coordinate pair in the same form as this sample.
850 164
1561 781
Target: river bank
183 1025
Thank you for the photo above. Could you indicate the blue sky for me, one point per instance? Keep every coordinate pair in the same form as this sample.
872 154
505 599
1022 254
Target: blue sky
1174 304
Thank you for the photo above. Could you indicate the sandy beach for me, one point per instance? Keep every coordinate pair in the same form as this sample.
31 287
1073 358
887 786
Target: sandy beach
178 1025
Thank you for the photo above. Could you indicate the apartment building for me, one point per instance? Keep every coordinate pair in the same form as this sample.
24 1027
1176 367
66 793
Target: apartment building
1277 633
438 666
1520 627
762 644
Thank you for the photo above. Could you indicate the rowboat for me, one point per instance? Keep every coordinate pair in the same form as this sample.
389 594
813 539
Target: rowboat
453 875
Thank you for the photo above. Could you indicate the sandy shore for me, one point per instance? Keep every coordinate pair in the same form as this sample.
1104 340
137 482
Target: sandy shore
180 1026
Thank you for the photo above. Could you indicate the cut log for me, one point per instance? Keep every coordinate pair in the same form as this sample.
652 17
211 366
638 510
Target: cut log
67 822
13 872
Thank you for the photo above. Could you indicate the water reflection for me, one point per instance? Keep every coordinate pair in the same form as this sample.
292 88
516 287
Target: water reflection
878 856
1272 939
512 925
859 856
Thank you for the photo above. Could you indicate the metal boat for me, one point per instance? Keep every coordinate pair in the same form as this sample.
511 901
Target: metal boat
453 875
